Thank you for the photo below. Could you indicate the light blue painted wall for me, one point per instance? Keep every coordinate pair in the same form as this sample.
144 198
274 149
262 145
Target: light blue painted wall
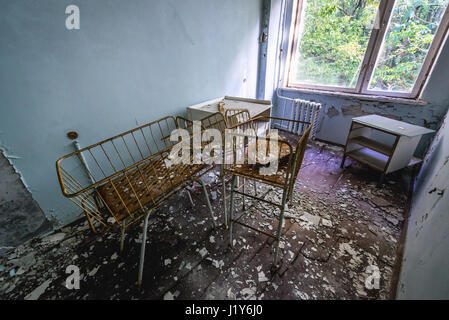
425 265
130 63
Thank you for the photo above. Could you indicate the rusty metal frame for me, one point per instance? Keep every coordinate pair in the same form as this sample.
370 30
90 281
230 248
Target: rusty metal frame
236 116
290 170
127 178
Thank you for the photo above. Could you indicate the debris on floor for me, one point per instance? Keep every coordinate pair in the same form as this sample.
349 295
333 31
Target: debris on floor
339 227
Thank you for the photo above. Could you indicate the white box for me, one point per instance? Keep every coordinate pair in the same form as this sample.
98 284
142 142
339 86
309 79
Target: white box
255 107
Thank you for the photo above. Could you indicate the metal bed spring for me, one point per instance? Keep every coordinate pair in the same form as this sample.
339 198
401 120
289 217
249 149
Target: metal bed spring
291 147
121 180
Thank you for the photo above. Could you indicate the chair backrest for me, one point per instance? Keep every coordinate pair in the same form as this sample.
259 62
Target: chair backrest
235 116
292 143
213 121
299 157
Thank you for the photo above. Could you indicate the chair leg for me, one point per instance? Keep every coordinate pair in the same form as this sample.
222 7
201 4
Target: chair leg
208 202
142 249
343 161
255 188
381 179
231 210
280 226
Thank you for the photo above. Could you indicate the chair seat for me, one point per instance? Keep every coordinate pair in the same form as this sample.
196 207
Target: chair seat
252 172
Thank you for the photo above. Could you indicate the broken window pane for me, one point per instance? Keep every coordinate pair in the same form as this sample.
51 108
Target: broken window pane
333 38
409 35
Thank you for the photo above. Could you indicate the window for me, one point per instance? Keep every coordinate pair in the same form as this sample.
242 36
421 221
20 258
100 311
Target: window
370 47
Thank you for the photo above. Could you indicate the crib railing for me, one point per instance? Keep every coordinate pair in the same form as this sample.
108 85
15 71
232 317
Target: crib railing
119 179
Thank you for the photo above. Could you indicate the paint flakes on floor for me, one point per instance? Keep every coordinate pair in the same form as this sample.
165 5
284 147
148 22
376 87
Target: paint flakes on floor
339 227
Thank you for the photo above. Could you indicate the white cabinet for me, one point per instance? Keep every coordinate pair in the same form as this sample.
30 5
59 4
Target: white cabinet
382 143
255 107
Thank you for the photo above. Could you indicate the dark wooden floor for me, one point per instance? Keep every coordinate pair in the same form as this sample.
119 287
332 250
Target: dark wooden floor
338 224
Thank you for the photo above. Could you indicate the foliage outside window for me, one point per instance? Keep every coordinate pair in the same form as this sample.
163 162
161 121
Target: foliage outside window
366 46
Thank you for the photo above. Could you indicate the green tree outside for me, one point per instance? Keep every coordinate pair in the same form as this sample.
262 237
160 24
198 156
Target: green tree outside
336 34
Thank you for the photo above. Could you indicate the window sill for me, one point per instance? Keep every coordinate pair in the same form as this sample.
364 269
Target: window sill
358 96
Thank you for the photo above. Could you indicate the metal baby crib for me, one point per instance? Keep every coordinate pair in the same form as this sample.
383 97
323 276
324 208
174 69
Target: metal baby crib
120 180
290 149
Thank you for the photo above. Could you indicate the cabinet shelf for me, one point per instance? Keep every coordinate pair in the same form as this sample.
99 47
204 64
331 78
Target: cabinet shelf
373 145
370 157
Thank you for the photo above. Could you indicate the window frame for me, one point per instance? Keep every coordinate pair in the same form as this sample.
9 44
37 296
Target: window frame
369 60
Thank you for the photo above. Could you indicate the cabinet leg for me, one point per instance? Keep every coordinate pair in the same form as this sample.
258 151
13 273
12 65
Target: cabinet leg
381 179
343 161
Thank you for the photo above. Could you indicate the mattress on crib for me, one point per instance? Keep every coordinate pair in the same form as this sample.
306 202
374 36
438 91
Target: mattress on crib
144 186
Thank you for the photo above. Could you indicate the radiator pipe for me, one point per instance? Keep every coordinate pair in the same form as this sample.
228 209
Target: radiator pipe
83 160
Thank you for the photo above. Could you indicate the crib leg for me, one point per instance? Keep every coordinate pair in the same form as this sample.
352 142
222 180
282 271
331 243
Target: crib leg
122 240
243 197
142 249
231 210
225 209
208 202
190 197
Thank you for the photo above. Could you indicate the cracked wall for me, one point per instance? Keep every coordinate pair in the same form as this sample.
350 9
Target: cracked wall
21 217
337 112
425 264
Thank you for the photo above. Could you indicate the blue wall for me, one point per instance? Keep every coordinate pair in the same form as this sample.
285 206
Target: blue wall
130 63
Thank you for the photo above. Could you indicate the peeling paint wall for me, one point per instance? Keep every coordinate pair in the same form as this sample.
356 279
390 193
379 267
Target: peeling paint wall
337 112
20 216
425 265
130 63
